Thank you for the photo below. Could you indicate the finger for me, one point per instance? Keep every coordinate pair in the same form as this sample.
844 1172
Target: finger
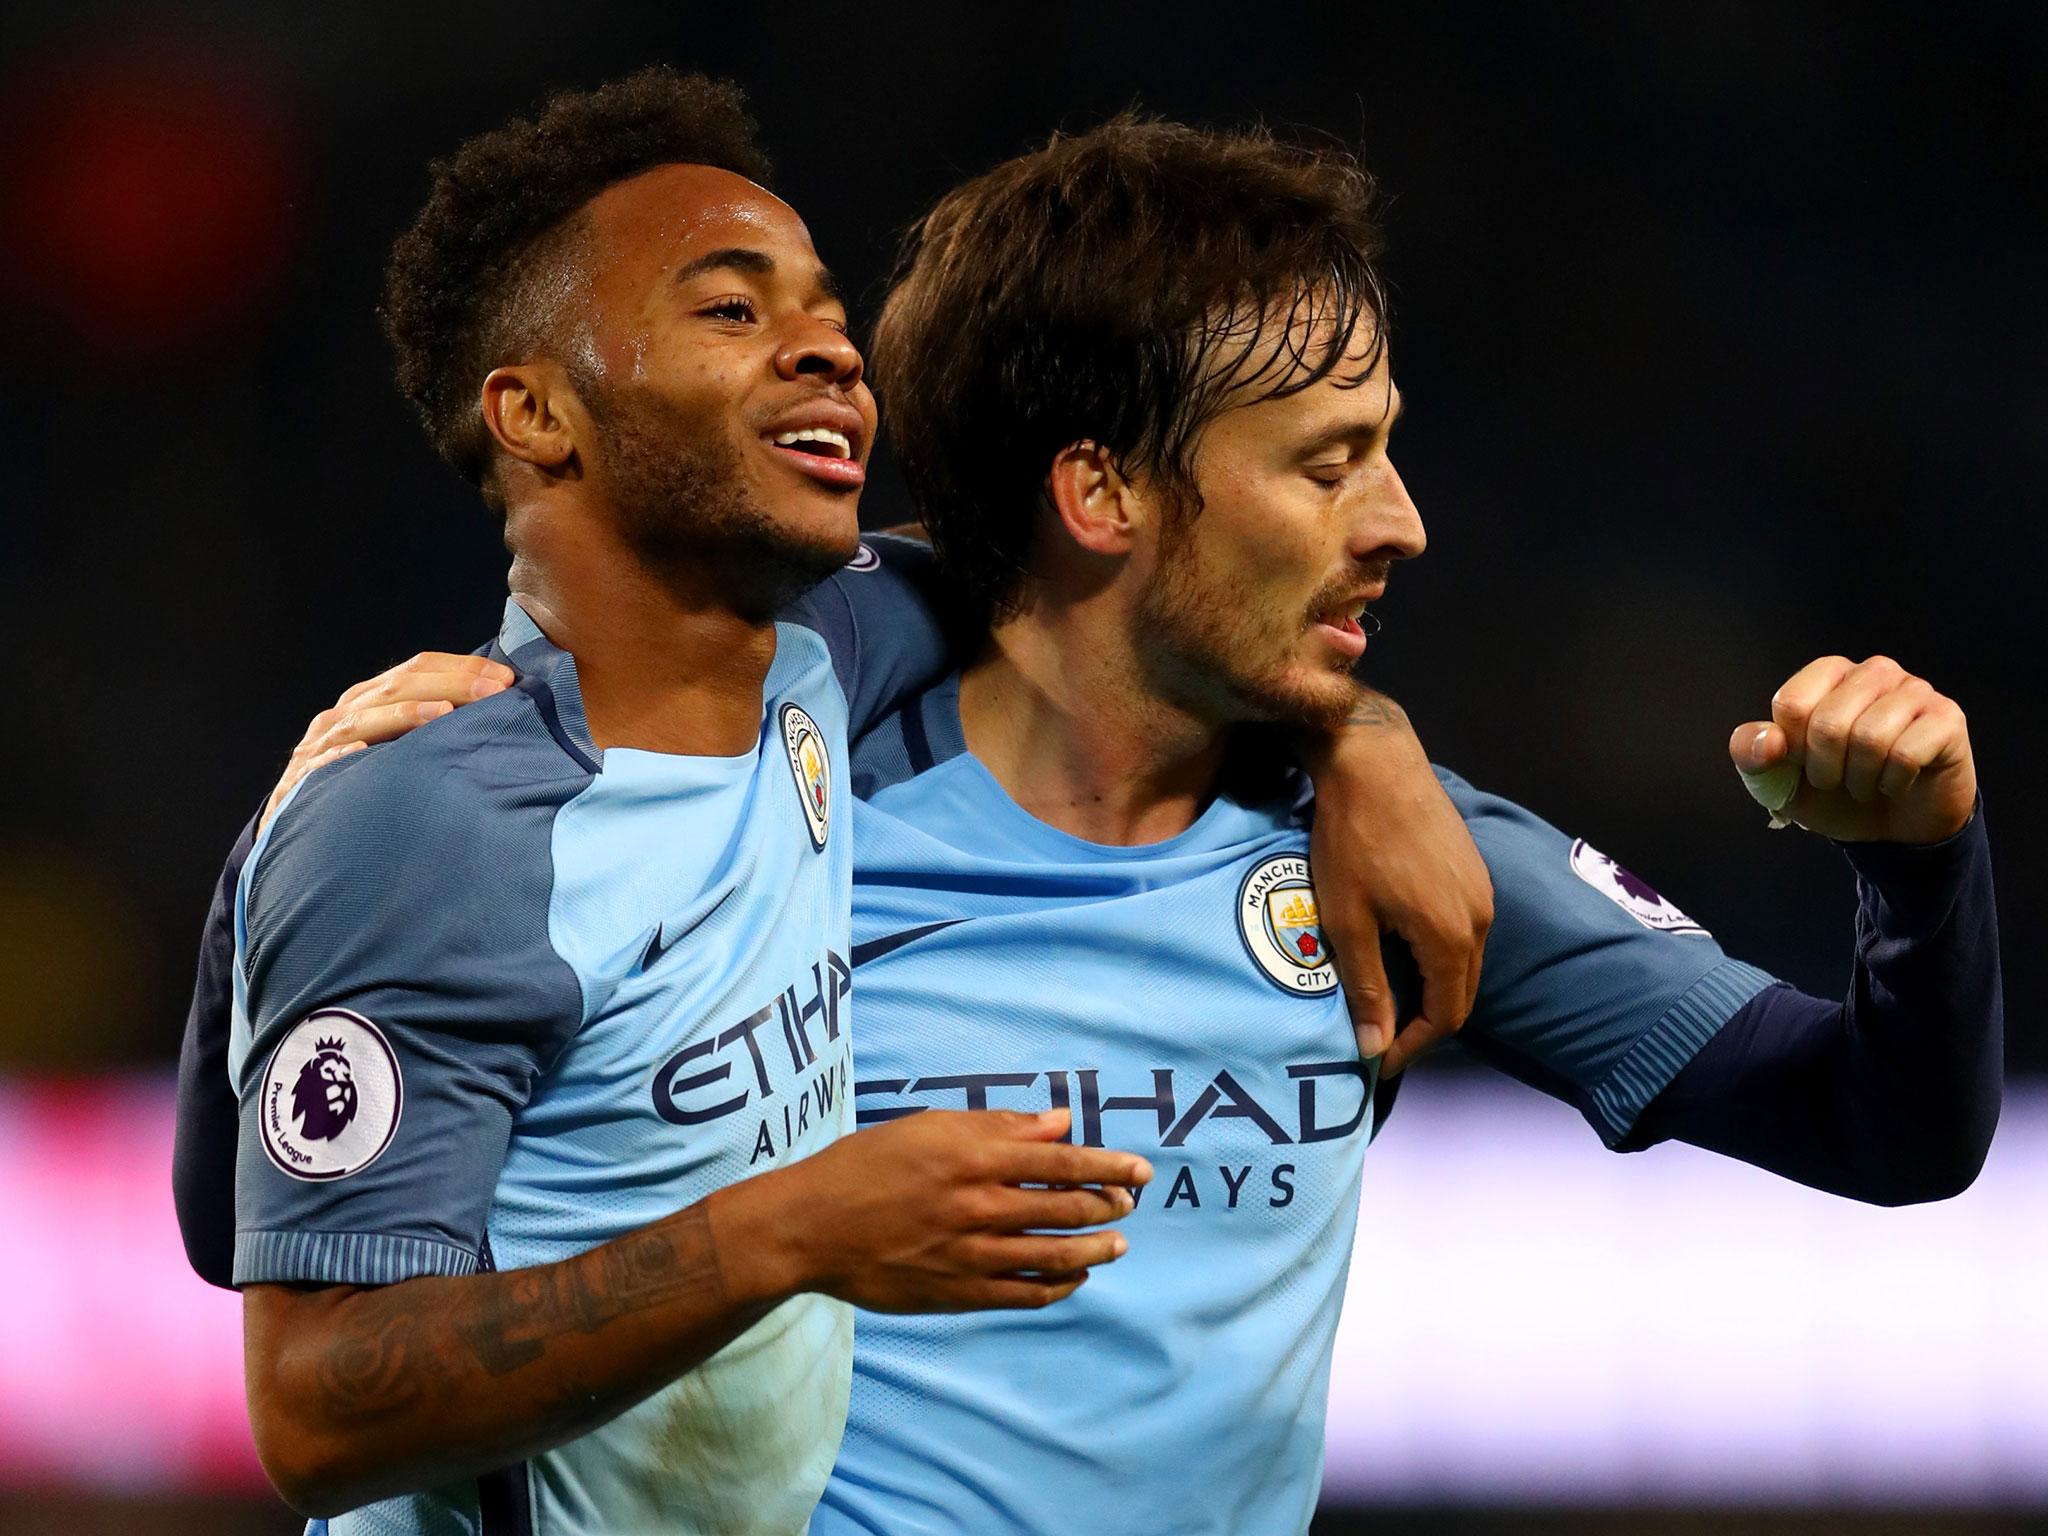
381 722
1445 963
1060 1163
475 672
1417 1036
298 768
1874 731
1362 971
1795 700
450 686
1015 1291
1022 1209
1934 740
1477 967
1832 717
1013 1255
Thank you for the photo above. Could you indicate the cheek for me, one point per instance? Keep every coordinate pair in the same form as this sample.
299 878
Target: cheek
1269 547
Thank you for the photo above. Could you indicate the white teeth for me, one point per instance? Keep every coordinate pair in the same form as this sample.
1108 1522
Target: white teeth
823 435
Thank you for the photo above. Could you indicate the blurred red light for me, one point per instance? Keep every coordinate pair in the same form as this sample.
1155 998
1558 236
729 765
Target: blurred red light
154 201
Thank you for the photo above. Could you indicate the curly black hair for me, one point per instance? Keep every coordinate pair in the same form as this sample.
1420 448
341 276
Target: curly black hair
470 285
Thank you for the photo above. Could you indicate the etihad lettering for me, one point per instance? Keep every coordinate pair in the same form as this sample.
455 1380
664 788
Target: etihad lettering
1332 1100
741 1065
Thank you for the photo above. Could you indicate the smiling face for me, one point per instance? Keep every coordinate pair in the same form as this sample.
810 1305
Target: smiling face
1251 607
730 419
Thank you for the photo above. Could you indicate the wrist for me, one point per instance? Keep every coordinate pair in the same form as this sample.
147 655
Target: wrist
1374 728
758 1235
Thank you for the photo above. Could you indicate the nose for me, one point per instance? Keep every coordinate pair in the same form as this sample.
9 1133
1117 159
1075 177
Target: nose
816 350
1390 527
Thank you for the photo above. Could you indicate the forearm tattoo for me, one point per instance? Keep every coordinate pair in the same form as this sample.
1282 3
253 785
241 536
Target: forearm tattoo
513 1323
395 1348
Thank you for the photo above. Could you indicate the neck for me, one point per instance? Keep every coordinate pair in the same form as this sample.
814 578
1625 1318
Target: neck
1053 710
664 665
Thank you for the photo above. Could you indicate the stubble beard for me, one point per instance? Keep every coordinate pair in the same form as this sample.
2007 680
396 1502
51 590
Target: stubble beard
1200 641
679 493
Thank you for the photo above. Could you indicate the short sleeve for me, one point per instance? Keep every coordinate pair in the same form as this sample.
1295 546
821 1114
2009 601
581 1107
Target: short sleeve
1595 988
396 997
877 618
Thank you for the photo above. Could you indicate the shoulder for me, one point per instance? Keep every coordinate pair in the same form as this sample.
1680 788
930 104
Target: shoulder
888 575
460 808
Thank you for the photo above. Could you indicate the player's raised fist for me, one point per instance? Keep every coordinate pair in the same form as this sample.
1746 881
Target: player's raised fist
1862 752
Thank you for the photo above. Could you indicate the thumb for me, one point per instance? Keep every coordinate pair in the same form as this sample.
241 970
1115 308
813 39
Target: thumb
1756 745
1368 996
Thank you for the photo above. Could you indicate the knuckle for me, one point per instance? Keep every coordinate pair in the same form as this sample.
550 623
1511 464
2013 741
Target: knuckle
1827 727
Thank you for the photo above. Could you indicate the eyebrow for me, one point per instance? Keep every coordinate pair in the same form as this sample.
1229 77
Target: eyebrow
753 263
1357 429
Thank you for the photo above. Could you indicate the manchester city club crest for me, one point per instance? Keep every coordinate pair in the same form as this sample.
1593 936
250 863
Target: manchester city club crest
1629 892
332 1095
805 744
1280 924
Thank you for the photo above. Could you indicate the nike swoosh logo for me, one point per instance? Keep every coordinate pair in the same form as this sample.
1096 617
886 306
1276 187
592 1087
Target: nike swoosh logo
874 949
656 948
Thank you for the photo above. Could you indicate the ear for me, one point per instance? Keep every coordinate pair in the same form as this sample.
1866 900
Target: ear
532 413
1095 503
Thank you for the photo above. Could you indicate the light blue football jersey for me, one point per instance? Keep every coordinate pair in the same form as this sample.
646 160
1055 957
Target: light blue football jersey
1178 999
501 998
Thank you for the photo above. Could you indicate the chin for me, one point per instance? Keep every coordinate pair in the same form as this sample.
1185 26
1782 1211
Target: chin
1298 694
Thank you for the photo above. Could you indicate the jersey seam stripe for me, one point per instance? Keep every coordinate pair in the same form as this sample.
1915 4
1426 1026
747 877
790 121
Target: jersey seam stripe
265 1254
1662 1052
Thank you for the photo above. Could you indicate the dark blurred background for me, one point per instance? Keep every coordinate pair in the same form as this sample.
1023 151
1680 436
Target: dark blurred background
1720 328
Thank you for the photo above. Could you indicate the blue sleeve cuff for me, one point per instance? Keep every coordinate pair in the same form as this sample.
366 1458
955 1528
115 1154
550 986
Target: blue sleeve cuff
344 1258
1654 1060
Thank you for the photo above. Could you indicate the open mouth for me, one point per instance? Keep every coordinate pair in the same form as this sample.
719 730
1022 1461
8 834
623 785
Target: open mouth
1341 629
823 453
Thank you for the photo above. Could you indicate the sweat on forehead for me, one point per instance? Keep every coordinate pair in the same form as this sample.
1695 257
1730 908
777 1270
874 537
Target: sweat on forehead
679 212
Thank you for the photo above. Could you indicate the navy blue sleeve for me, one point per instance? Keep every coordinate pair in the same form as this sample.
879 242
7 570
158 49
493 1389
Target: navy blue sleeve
877 618
1890 1096
1596 989
209 1117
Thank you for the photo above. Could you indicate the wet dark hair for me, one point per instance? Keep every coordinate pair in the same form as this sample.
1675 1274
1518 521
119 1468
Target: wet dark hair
1121 286
474 283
